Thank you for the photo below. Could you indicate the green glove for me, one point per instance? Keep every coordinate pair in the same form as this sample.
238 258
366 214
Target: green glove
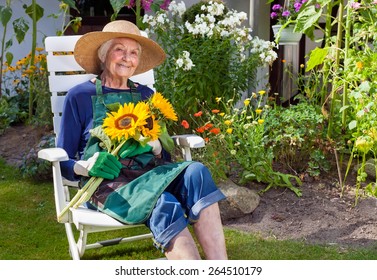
133 148
106 166
101 164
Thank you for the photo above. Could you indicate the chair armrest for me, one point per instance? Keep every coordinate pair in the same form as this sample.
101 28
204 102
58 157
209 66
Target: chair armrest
189 141
53 154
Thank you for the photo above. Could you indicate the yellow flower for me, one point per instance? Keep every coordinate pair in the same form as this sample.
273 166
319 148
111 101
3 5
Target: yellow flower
246 102
260 121
359 65
258 111
373 133
363 145
218 99
229 130
152 129
261 92
222 114
163 106
228 122
124 123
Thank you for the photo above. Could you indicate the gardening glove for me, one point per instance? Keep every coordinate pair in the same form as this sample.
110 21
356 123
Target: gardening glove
133 148
101 164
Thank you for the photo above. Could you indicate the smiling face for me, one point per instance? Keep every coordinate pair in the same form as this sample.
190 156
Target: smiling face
122 58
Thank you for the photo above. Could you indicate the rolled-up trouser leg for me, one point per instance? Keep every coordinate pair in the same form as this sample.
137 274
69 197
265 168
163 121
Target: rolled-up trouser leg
181 203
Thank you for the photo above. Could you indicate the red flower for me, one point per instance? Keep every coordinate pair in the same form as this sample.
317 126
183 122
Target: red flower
215 130
198 114
185 124
200 129
208 126
215 111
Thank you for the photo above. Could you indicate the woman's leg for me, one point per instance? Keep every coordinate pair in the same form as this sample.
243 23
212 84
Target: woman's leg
182 247
209 231
169 227
198 195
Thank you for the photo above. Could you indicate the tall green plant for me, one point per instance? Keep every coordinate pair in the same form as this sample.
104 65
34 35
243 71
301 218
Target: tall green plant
20 28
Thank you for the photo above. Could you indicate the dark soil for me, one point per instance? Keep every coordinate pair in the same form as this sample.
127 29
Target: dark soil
320 216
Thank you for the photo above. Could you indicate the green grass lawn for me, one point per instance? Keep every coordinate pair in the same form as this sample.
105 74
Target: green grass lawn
29 231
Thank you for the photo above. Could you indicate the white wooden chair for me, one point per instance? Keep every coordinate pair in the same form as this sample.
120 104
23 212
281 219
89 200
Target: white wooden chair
64 73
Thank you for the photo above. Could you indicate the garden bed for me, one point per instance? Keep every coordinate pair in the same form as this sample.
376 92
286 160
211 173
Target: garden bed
319 216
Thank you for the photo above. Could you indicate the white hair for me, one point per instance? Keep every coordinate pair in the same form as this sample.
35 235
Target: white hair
103 49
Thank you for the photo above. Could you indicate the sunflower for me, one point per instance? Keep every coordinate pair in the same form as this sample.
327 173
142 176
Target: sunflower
152 129
125 123
163 106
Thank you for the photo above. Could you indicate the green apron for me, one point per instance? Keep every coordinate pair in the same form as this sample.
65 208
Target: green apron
131 197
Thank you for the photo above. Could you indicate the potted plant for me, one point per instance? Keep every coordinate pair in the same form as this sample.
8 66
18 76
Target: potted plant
285 16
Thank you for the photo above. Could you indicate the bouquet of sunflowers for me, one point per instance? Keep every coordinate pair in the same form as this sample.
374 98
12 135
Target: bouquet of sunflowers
141 122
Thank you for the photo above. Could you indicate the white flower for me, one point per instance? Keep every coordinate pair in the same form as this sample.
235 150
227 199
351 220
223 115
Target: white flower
184 61
233 152
177 9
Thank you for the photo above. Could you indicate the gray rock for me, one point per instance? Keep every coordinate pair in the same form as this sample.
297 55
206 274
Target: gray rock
240 201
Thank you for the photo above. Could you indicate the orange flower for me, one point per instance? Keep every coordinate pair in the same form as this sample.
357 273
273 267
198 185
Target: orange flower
215 131
206 139
215 111
185 124
198 114
200 129
208 126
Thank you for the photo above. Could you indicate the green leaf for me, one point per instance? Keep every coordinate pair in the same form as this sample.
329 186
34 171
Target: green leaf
39 11
316 58
9 57
20 27
166 141
117 6
352 124
5 15
344 108
100 134
113 107
307 18
364 86
70 3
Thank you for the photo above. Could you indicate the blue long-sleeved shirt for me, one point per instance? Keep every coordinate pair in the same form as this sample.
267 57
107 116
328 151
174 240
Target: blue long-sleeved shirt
77 120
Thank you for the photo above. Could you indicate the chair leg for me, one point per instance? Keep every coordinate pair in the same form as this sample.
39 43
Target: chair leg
72 242
81 242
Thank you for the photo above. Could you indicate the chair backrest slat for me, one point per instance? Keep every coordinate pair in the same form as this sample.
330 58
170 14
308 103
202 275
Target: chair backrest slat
65 73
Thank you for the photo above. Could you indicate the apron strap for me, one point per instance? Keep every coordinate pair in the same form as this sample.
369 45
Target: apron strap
130 84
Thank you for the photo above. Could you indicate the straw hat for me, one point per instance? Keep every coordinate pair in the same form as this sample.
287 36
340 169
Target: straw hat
86 48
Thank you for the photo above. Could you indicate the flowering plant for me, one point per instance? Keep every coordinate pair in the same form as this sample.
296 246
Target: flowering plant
210 53
236 139
142 122
288 12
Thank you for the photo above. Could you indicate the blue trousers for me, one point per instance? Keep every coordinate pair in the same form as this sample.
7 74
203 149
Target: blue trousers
181 203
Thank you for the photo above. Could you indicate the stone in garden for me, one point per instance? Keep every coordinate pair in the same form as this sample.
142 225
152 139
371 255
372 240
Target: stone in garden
240 201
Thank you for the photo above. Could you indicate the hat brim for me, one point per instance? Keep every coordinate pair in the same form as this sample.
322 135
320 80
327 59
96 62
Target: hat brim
86 51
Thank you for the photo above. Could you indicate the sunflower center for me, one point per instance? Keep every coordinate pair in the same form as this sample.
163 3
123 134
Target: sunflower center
125 121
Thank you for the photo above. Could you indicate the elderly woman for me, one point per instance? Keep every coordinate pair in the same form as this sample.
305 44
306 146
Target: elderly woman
169 196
